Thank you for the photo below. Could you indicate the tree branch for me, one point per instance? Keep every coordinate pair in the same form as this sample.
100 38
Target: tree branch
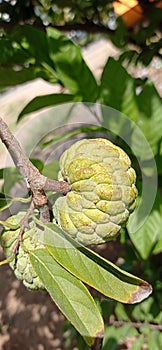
23 225
87 26
137 325
35 182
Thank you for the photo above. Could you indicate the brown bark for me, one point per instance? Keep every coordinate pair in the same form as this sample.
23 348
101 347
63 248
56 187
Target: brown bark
35 182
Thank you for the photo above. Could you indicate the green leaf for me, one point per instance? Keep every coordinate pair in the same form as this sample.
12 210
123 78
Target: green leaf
148 311
138 343
25 57
120 37
71 67
114 336
70 295
10 225
150 104
154 340
11 52
14 221
148 236
37 163
120 312
117 89
11 77
89 267
158 159
72 133
34 42
12 178
7 261
158 246
51 170
40 102
4 201
1 173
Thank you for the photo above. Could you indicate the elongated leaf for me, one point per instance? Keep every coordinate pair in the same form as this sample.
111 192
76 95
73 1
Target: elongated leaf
147 236
118 89
72 133
71 67
70 295
40 102
150 106
89 267
147 239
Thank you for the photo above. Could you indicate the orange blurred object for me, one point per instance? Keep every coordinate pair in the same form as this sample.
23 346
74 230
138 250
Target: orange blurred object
130 11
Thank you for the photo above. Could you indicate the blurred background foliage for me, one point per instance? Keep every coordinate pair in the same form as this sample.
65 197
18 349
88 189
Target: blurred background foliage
44 39
84 20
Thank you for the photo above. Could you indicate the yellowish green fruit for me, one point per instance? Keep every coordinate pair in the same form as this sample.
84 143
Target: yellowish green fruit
102 191
21 263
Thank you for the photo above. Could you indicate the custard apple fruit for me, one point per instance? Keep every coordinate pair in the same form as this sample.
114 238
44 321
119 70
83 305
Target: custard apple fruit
102 191
21 263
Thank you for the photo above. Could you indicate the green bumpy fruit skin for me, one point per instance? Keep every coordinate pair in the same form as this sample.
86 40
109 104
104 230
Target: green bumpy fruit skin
21 263
102 191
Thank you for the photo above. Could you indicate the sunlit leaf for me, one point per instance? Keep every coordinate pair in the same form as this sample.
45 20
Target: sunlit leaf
25 57
148 237
34 42
40 102
118 89
150 105
69 294
70 66
89 267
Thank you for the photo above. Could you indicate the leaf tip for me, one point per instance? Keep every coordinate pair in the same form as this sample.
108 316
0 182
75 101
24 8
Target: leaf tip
143 290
